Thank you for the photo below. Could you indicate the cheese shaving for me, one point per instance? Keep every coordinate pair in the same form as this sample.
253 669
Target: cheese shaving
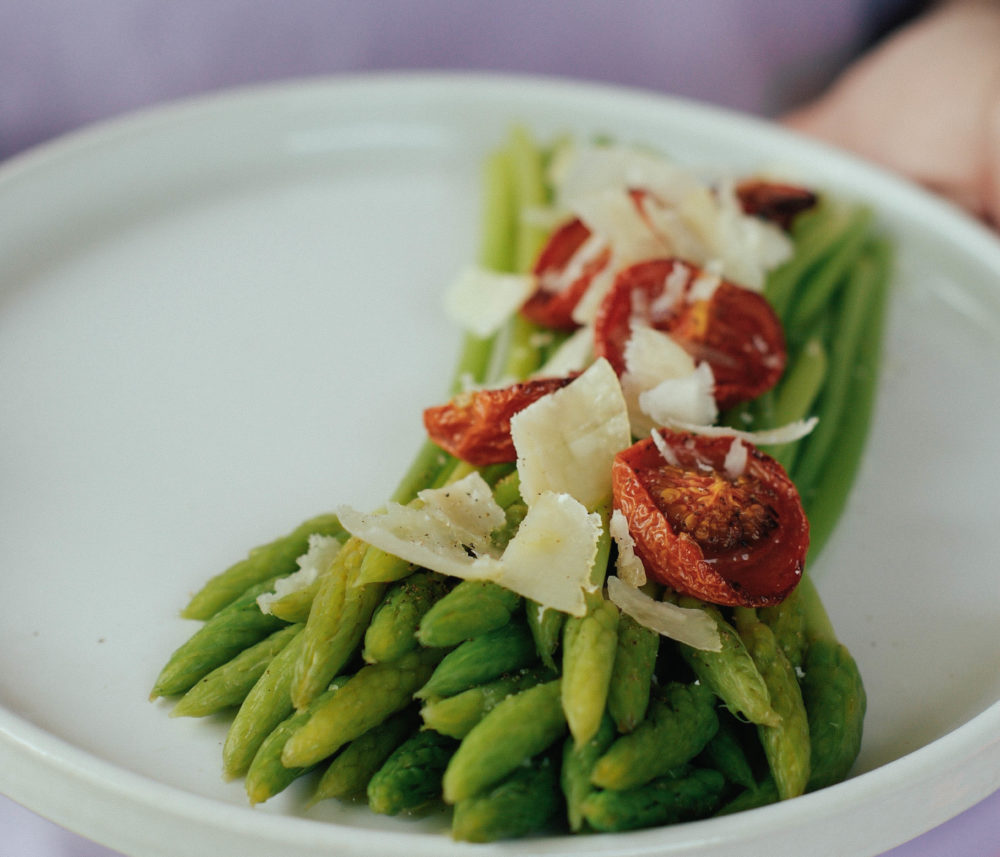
480 300
628 566
566 441
737 457
662 383
688 399
686 625
766 437
549 559
681 215
317 559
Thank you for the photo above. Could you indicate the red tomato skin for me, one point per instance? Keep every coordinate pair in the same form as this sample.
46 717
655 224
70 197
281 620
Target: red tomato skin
554 309
735 330
755 575
475 426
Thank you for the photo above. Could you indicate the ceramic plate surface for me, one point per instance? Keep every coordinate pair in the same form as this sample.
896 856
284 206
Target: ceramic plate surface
220 317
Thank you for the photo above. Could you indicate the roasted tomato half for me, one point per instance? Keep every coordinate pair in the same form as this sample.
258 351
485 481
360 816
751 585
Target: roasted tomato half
565 269
779 203
559 289
475 426
728 532
731 328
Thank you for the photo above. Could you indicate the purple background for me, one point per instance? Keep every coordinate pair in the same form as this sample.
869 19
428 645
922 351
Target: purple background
66 63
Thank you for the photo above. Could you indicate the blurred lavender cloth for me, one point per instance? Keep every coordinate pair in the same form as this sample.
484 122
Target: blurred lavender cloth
67 63
64 63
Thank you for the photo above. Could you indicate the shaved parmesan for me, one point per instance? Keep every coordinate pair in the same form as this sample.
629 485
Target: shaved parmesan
587 253
584 170
681 215
688 399
612 214
707 281
737 457
651 355
480 300
585 310
668 454
628 566
566 441
549 559
689 626
661 382
766 437
317 559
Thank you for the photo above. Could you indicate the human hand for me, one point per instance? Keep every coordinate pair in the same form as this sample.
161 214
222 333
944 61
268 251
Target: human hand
925 103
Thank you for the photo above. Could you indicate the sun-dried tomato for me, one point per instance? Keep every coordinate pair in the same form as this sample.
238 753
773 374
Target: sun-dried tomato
552 306
731 328
774 201
726 529
475 426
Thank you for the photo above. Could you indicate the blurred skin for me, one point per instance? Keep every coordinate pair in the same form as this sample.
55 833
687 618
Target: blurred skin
926 103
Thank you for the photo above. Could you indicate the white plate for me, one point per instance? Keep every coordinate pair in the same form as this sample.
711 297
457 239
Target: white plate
221 317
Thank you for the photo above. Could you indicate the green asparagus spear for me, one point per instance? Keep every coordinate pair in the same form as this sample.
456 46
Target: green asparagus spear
589 645
577 769
340 613
681 721
787 621
666 800
520 727
817 290
588 654
546 627
731 672
350 771
472 608
295 606
816 234
726 755
276 559
833 693
797 393
858 299
522 803
266 705
456 715
411 776
229 684
835 701
786 745
632 674
480 660
373 694
392 631
762 794
267 775
497 252
825 501
234 628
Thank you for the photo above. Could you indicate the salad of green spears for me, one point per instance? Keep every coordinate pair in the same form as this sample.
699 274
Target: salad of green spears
584 608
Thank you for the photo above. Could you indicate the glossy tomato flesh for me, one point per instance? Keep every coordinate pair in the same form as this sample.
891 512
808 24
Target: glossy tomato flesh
475 426
732 538
734 329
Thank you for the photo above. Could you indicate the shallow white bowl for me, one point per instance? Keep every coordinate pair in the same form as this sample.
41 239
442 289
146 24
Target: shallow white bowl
221 317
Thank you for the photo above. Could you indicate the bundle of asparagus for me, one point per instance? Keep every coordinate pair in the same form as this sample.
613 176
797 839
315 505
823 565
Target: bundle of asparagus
409 686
